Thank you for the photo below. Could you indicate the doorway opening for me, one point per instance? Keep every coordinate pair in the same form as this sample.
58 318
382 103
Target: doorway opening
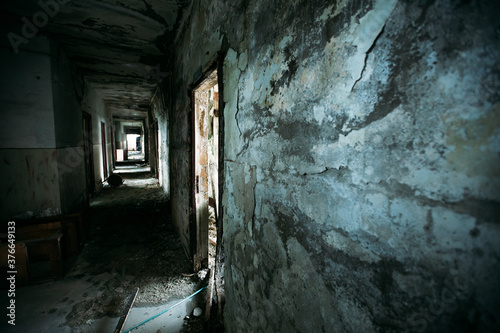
103 149
131 144
206 170
88 147
134 147
207 180
155 165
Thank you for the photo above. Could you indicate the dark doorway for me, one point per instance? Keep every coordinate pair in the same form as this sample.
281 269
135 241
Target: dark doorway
89 153
113 151
156 149
104 156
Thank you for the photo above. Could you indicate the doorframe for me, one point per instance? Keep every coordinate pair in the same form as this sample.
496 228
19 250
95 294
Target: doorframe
104 153
113 150
155 147
206 73
145 141
214 314
88 146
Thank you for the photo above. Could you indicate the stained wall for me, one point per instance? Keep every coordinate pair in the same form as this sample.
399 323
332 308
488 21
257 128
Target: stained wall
361 148
68 89
41 165
94 105
160 106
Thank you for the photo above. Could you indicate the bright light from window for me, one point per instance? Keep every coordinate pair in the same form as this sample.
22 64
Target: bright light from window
132 141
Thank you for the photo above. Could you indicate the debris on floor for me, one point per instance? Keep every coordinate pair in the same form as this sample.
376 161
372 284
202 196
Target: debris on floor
132 244
126 312
197 312
115 180
137 244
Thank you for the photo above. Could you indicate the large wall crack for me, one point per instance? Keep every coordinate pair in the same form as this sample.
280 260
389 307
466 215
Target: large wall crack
237 111
365 36
340 169
367 54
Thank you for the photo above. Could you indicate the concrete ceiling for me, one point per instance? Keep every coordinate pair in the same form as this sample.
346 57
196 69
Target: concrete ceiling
127 113
120 46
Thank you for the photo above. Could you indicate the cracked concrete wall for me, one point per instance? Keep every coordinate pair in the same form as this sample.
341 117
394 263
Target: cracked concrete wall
362 144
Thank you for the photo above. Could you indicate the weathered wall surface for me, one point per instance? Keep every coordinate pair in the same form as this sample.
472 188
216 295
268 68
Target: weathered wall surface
362 144
29 178
30 183
94 105
41 158
160 112
27 107
67 96
198 44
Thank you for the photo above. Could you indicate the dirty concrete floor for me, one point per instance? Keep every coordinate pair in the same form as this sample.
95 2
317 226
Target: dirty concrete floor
132 243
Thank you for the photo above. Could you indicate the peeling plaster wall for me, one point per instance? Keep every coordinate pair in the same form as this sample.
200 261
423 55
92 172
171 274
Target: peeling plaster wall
362 144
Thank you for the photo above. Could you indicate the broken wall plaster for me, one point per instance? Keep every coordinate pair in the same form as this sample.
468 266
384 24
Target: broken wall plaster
232 131
381 219
371 26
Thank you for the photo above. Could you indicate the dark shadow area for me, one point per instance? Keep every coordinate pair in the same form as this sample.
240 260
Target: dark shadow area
130 243
132 239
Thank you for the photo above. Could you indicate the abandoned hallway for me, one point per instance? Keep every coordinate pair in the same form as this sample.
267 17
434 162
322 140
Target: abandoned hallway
132 245
307 165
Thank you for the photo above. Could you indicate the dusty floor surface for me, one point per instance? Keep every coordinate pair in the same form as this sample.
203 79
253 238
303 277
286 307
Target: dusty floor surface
132 244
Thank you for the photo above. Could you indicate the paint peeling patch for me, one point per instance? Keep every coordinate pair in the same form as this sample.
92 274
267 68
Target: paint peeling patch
475 145
319 113
243 61
285 77
372 24
340 20
366 60
232 130
241 180
365 35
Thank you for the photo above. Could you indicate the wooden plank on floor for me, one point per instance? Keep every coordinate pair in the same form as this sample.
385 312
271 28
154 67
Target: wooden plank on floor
125 314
